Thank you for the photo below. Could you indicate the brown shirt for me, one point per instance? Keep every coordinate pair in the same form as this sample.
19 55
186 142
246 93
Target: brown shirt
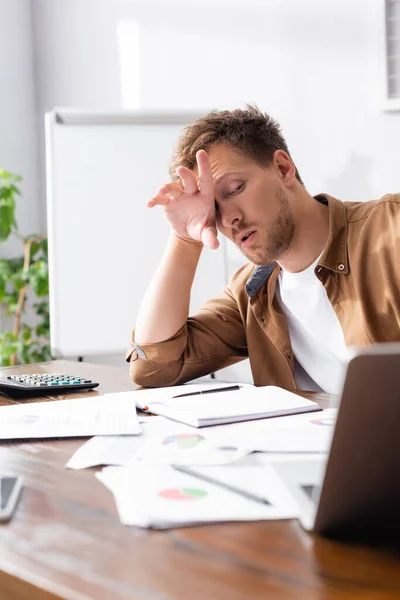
360 270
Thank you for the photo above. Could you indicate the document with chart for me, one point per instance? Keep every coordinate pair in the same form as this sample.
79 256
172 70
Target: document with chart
79 417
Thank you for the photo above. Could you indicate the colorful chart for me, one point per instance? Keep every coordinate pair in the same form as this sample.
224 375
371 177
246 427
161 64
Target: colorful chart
327 422
184 440
182 493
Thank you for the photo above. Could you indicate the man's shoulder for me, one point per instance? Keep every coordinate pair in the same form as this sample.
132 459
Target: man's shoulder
372 210
237 283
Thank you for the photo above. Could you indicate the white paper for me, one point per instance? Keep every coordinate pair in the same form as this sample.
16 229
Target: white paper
79 417
105 450
118 450
310 432
184 448
250 478
161 497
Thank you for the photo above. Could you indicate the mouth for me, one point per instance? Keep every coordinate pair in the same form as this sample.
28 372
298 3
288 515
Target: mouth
246 239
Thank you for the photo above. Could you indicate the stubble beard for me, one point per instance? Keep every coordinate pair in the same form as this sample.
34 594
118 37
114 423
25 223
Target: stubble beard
278 236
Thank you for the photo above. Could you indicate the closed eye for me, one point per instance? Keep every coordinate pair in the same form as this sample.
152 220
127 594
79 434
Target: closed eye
236 189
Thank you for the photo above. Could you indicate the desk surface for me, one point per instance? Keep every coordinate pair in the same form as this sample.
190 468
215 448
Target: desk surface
65 540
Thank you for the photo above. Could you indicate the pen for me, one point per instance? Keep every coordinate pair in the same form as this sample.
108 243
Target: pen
213 391
222 484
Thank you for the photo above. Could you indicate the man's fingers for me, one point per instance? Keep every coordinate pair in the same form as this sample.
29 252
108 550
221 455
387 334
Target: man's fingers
188 179
209 237
165 194
173 189
206 181
158 200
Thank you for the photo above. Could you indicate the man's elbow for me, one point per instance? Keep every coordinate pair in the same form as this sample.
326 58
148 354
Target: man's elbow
147 374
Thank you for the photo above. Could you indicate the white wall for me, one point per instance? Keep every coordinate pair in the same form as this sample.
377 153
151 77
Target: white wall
18 142
313 65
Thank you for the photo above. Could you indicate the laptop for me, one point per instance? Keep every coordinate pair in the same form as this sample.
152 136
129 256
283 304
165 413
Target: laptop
355 493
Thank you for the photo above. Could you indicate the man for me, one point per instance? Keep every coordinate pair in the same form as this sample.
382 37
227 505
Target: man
323 274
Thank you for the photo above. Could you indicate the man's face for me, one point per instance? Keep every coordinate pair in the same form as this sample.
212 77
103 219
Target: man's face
253 208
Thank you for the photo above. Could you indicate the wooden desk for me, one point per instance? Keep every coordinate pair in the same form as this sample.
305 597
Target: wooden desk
65 541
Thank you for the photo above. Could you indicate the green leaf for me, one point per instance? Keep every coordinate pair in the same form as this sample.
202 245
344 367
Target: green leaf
26 334
7 221
42 330
42 308
35 247
9 176
45 252
8 347
18 280
32 342
38 275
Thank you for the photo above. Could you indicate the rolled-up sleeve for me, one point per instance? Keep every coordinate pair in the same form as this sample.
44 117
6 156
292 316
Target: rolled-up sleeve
212 339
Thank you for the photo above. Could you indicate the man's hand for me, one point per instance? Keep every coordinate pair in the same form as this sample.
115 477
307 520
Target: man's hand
189 207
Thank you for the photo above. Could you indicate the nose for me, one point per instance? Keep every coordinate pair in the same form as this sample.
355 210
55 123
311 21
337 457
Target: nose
230 216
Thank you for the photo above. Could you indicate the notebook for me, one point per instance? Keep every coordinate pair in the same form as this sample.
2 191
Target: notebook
219 407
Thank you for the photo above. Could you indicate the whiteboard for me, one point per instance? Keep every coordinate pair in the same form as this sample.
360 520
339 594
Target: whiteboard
104 243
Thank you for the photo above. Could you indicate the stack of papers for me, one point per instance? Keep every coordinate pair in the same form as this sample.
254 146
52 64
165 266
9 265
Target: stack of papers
173 475
162 497
161 442
166 442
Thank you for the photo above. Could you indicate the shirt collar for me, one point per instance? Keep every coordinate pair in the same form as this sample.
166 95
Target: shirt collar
334 257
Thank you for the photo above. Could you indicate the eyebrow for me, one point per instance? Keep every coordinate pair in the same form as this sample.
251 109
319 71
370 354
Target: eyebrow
220 179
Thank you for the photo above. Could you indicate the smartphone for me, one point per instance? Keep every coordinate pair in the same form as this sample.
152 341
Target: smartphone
10 490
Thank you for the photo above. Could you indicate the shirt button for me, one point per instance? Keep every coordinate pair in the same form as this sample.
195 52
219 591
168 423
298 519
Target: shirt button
341 267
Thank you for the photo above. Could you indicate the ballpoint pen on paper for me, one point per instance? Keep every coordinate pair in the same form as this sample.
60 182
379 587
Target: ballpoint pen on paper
222 484
213 391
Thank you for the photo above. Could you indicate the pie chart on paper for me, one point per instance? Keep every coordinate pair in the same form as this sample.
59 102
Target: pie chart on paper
182 493
183 440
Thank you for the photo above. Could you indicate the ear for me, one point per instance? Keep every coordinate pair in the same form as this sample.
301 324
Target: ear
284 164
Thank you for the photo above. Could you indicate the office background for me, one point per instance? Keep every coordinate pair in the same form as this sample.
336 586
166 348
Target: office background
317 67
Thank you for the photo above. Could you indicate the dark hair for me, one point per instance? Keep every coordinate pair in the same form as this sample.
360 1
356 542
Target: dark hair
251 132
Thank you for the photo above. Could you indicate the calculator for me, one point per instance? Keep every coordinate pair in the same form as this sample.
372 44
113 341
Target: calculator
40 384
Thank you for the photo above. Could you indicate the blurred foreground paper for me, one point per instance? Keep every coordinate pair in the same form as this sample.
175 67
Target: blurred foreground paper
80 417
161 497
161 442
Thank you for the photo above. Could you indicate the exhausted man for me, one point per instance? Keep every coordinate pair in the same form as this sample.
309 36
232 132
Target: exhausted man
323 274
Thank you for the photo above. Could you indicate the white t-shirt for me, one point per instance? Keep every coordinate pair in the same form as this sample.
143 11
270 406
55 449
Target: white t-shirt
316 336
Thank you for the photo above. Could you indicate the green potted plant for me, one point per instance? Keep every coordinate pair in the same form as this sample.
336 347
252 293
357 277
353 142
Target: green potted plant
24 287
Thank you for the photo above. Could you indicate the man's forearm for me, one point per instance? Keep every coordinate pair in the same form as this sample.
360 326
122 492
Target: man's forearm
165 306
